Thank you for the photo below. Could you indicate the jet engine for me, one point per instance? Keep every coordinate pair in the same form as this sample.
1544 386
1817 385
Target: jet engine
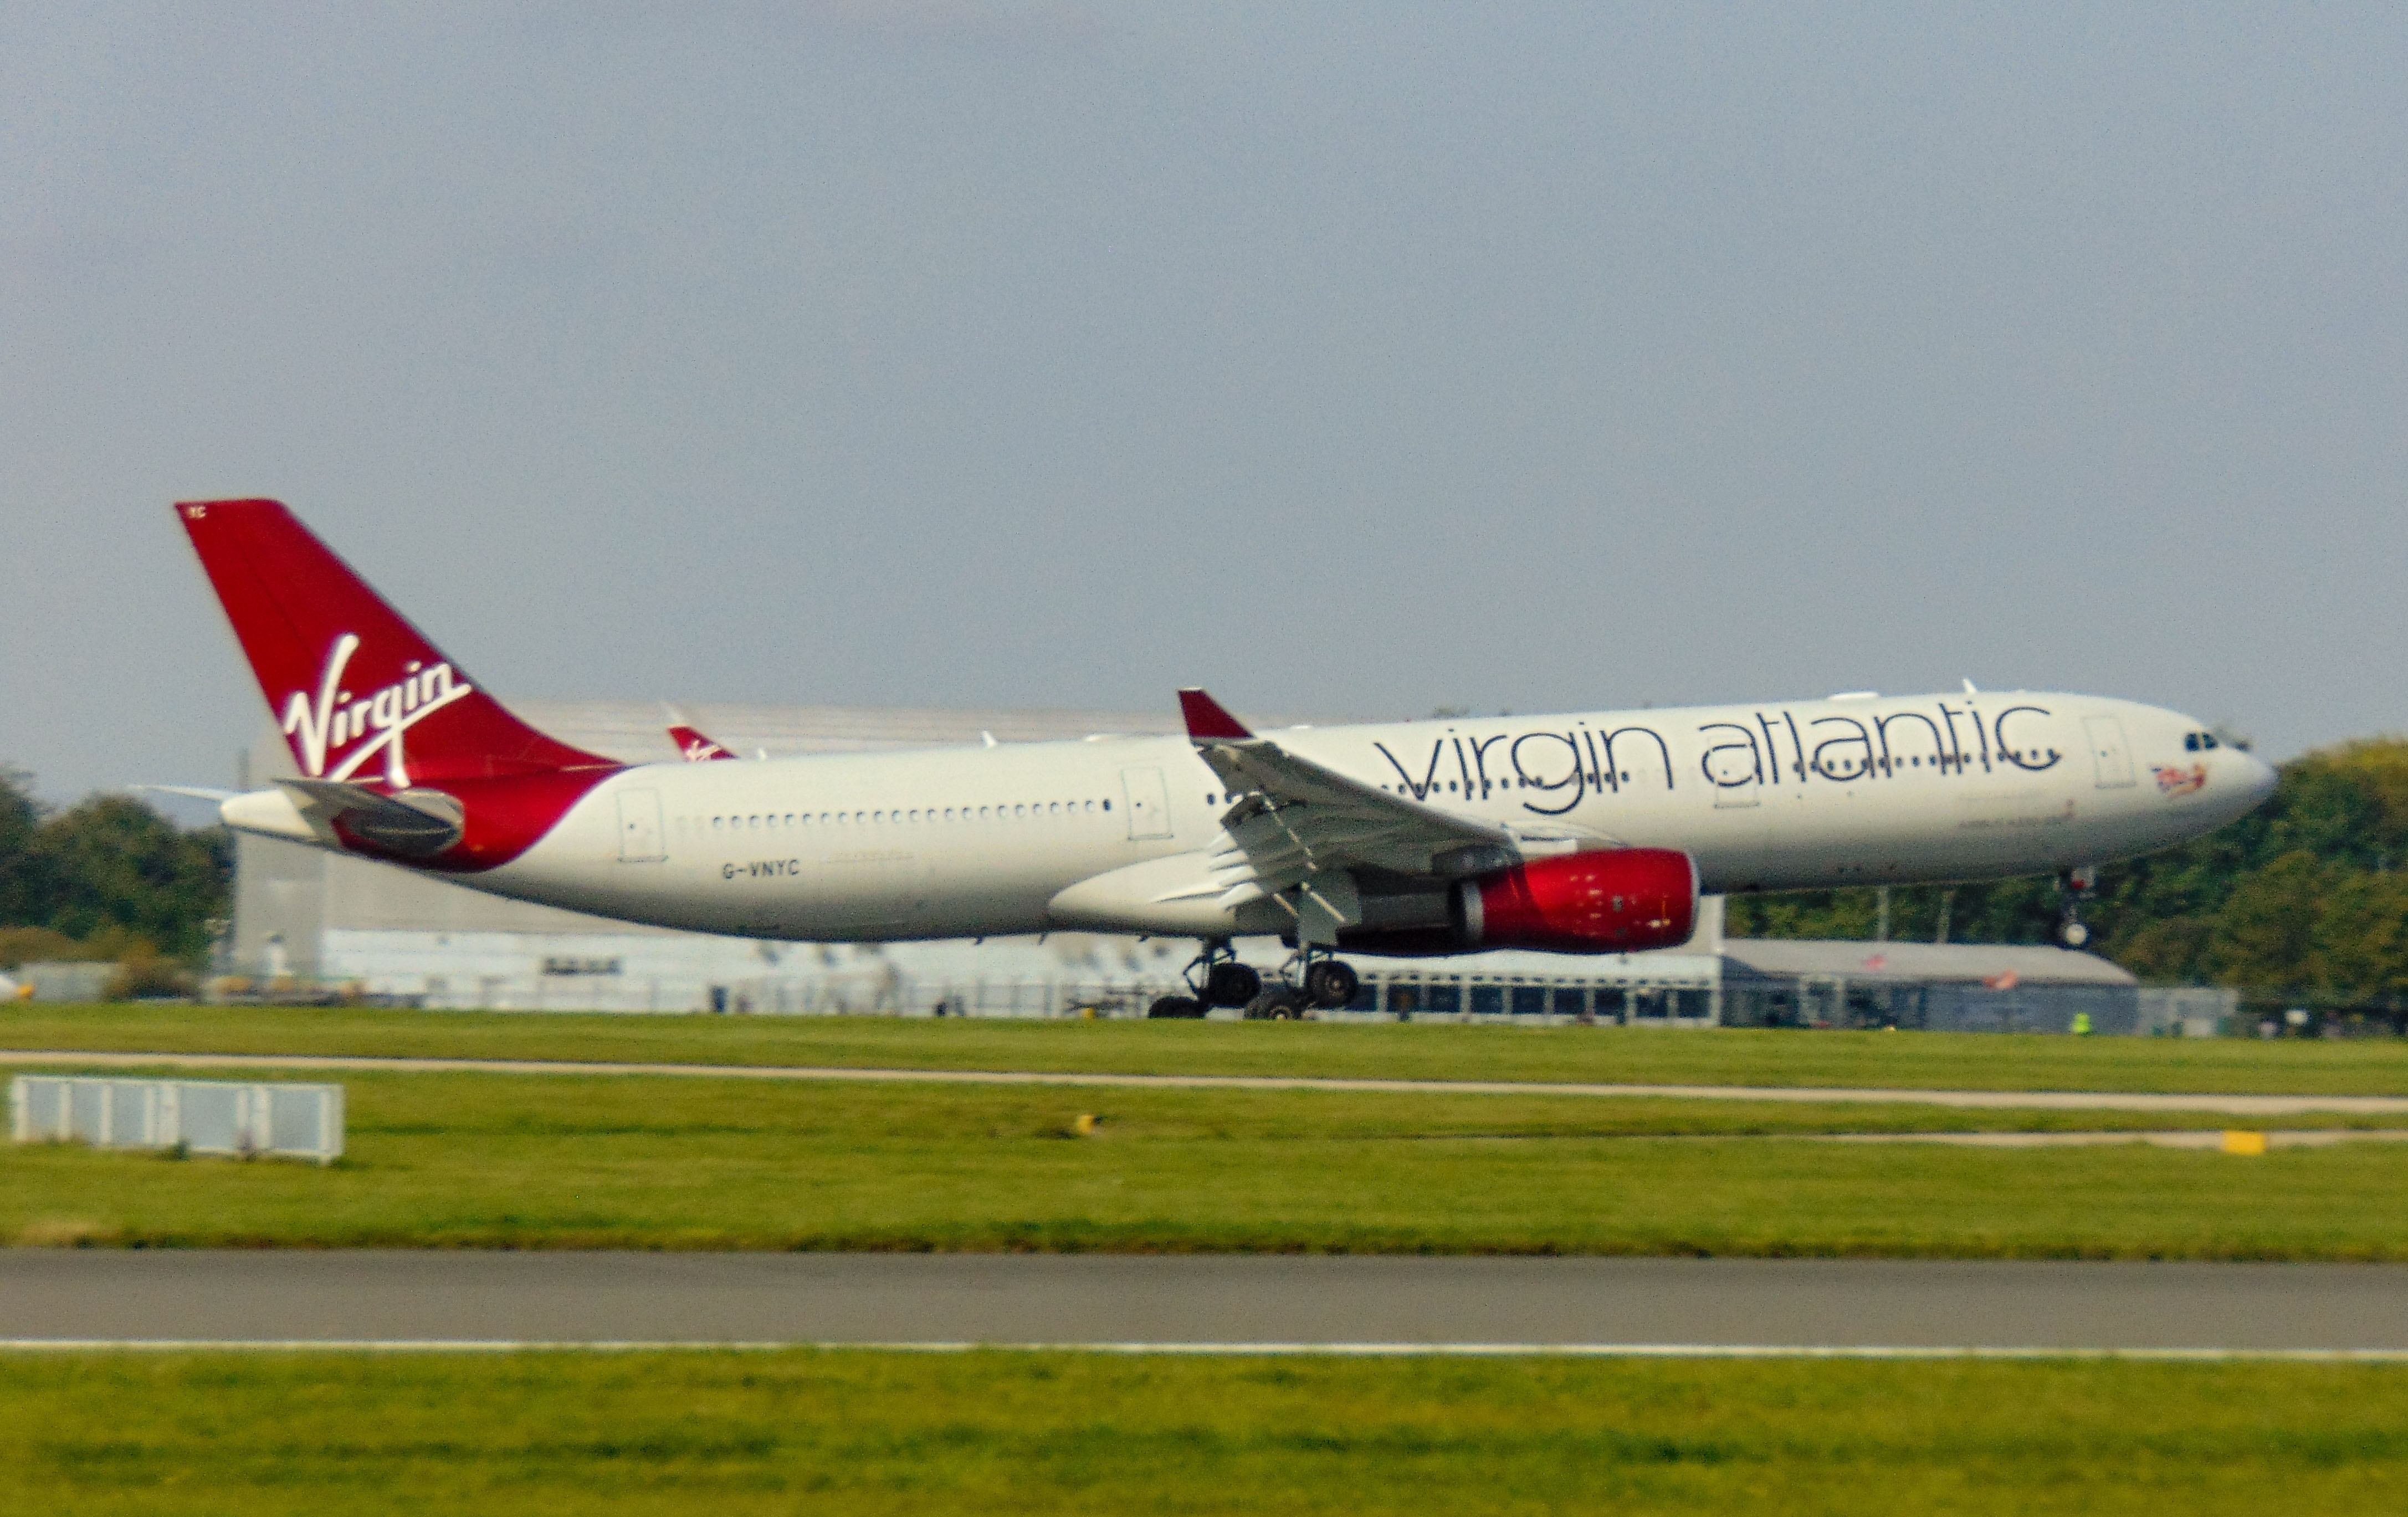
1619 901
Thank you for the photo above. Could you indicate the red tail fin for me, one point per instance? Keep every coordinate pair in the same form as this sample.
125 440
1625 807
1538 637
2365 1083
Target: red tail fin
696 748
361 693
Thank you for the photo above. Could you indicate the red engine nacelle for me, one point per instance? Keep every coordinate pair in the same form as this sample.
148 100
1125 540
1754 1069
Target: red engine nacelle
1619 901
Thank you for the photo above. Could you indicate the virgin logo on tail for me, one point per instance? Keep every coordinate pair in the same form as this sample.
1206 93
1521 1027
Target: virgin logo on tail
368 724
696 748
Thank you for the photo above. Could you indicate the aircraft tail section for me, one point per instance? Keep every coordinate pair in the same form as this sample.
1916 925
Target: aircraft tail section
362 696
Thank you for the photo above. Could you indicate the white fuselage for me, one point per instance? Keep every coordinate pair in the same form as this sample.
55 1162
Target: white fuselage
1104 834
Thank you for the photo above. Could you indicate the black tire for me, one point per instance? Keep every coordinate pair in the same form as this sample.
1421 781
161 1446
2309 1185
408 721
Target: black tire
1184 1006
1231 984
1279 1003
1331 984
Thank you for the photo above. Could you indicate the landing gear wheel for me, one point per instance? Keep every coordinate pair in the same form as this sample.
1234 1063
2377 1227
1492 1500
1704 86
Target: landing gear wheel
1330 983
1185 1007
1280 1003
2073 887
1231 984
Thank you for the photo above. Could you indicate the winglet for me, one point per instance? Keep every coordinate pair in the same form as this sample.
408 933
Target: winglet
1206 721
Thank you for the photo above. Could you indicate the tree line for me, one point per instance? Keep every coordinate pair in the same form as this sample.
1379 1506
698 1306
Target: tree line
2304 901
108 877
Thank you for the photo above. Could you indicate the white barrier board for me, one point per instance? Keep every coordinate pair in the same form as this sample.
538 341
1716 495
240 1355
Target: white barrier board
202 1116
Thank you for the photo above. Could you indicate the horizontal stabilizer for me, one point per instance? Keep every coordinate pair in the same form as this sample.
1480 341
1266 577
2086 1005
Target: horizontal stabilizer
415 823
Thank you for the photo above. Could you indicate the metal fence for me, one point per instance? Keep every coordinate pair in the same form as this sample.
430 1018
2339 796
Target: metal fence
200 1116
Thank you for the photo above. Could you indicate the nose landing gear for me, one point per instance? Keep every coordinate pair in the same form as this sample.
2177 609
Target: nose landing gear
2073 887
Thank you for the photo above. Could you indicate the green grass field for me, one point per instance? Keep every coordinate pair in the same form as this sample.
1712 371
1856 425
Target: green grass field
547 1161
272 1435
1733 1056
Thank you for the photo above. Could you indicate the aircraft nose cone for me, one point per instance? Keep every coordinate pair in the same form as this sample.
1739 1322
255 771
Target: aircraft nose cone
2258 776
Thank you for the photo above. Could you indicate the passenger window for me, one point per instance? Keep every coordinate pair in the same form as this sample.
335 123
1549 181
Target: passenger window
2190 742
715 823
2207 740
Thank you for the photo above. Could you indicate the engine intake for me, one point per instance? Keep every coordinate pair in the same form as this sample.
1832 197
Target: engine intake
1620 901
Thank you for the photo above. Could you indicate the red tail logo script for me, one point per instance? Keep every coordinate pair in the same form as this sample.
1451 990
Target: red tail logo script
323 728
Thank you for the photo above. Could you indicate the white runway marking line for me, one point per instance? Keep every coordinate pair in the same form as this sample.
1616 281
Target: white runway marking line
1338 1351
2228 1104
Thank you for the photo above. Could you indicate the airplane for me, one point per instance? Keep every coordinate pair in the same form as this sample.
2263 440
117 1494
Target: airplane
1580 833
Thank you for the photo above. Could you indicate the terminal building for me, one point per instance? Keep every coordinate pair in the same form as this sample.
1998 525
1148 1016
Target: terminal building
306 921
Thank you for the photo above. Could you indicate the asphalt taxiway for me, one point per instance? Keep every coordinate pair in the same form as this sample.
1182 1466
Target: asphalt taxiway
402 1298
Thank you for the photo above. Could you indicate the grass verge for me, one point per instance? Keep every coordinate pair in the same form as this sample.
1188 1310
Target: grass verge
497 1161
1730 1056
867 1432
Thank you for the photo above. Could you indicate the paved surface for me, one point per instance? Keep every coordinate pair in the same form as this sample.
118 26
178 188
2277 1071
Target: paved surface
92 1295
2314 1138
2230 1105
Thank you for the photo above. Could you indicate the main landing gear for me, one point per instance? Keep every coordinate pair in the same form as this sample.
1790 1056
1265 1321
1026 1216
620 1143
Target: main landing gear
2073 887
1217 979
1223 981
1331 982
1327 983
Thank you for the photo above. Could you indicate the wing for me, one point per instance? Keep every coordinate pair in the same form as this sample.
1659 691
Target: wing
1298 829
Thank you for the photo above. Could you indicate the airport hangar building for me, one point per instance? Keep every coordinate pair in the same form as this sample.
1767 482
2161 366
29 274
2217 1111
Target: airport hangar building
308 922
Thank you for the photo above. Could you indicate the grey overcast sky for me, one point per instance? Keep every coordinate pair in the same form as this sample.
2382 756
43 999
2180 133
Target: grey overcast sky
1345 358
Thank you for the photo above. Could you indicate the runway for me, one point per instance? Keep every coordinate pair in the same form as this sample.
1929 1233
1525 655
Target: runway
2228 1104
399 1299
